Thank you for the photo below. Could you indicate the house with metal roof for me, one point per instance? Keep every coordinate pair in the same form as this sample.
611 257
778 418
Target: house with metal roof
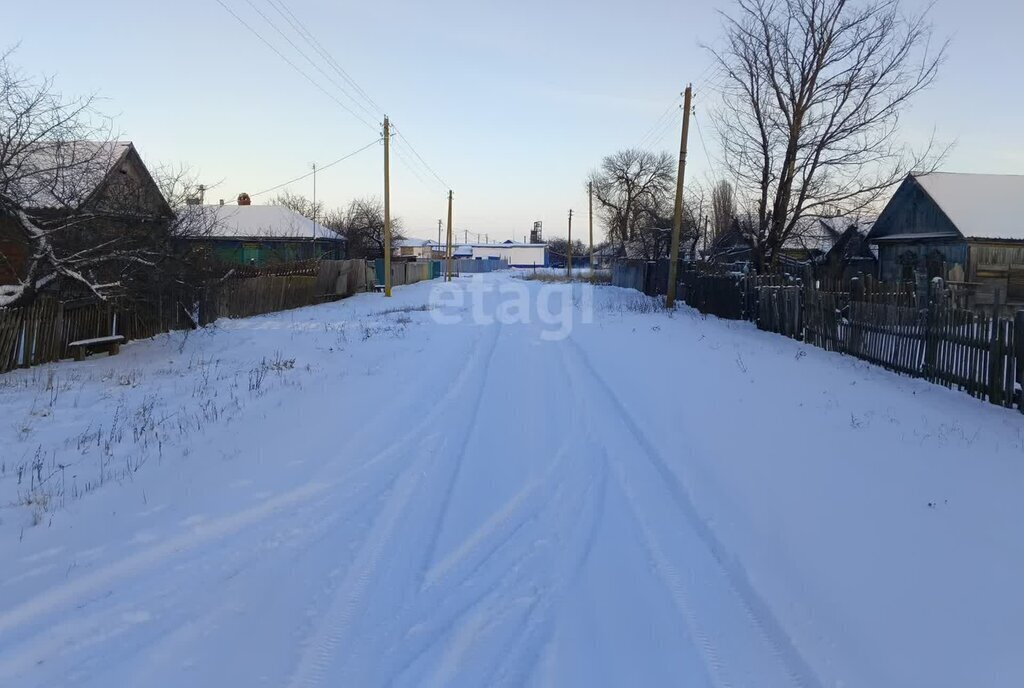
246 234
965 228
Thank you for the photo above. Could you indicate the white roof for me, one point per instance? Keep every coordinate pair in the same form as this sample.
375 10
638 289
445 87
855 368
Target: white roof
59 175
511 244
980 205
262 221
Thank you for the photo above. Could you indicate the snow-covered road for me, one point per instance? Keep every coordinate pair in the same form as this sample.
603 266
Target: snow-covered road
366 493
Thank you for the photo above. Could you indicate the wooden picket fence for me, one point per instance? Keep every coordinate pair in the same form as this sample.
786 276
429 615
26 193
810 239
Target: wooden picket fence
247 297
779 309
718 295
40 333
889 325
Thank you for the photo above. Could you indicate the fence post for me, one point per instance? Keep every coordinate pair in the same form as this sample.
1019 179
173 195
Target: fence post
935 304
995 354
1018 353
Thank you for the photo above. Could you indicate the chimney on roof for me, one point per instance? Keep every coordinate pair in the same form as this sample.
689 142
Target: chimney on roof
222 201
243 199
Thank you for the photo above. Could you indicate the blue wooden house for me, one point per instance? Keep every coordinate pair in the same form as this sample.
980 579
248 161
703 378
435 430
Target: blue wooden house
965 228
262 235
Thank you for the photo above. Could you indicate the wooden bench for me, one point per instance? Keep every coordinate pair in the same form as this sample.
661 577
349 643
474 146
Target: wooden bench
112 344
378 287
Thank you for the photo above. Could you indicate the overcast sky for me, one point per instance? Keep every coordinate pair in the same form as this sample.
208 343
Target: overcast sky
510 103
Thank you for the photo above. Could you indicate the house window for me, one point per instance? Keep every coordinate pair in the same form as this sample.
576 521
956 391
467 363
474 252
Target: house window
251 254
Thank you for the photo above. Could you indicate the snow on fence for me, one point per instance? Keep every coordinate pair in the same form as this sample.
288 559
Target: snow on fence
40 333
887 325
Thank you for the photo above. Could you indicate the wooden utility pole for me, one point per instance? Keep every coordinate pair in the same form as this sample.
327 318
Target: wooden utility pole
387 207
439 233
448 252
590 199
568 250
677 218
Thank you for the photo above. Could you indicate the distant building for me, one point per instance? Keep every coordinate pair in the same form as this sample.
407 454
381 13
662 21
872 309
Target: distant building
262 235
966 228
517 254
850 255
420 249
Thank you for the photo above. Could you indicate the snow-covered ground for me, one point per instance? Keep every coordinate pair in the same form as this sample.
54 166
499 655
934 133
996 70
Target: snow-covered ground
414 492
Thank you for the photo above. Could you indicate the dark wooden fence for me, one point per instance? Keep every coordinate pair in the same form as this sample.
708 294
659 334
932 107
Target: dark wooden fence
891 325
40 333
718 295
247 297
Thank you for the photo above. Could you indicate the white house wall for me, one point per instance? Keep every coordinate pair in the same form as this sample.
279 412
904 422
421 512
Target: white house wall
517 256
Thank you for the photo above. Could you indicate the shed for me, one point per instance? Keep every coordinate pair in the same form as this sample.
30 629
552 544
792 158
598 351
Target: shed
966 228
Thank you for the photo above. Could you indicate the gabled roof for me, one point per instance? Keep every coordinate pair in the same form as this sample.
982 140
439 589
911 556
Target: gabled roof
56 176
852 245
984 206
260 222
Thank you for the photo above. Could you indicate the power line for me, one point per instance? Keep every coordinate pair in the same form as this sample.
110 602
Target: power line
659 124
279 5
420 158
666 129
318 169
304 34
292 64
703 145
306 57
408 165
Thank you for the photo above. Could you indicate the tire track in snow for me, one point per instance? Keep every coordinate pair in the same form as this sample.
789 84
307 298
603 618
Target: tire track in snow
322 651
197 535
733 573
519 589
219 528
337 484
258 563
489 566
520 661
460 457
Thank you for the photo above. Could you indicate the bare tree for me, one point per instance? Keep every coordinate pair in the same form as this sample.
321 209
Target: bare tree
362 225
558 248
723 209
813 94
63 219
301 205
629 186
